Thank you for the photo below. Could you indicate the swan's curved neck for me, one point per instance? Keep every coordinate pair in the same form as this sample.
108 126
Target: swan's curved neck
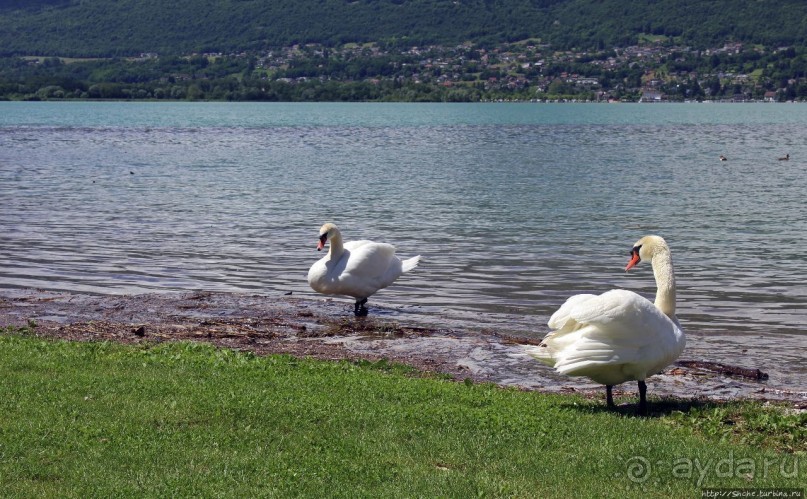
665 282
336 248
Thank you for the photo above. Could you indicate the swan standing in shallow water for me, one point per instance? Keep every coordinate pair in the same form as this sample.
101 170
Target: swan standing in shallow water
618 336
355 268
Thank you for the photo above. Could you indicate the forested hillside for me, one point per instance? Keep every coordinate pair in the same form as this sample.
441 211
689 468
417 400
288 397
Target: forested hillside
109 28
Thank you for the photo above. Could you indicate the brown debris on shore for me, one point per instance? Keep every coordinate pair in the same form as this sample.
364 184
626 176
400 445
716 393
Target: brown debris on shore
717 367
285 326
325 330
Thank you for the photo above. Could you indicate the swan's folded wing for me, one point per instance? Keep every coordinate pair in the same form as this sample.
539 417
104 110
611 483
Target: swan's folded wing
615 305
623 317
560 319
352 245
616 327
615 359
614 314
369 259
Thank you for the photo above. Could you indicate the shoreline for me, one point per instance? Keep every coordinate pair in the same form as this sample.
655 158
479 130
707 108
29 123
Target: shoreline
322 329
382 101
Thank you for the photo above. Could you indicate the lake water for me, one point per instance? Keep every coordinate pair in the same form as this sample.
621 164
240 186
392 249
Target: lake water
513 207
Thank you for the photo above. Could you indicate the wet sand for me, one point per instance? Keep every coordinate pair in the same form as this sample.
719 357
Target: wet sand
324 329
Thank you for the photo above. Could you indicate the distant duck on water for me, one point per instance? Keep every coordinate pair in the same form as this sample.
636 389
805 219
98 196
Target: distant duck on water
786 157
723 158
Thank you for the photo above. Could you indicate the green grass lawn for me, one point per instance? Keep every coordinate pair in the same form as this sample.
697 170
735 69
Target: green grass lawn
186 419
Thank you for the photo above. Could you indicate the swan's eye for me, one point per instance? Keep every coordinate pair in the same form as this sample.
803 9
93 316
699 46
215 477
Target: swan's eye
323 238
635 250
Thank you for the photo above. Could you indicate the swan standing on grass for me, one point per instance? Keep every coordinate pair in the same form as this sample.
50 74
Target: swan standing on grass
355 268
618 336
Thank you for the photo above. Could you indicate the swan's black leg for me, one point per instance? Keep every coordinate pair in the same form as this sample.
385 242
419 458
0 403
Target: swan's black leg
642 397
360 310
609 398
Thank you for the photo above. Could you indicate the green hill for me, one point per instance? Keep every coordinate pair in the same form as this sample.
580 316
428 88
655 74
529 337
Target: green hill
103 28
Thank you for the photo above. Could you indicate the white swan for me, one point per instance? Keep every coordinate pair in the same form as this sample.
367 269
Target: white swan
618 336
355 268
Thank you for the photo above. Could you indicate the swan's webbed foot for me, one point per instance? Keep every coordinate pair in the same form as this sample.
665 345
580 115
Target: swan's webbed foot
359 310
609 398
642 398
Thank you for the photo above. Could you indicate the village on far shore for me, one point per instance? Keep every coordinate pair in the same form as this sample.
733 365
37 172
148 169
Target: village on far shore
656 70
524 65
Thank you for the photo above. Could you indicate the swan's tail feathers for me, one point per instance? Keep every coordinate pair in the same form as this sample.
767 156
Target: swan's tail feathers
410 263
540 353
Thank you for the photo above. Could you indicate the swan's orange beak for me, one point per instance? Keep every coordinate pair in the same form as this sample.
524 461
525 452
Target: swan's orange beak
633 260
321 243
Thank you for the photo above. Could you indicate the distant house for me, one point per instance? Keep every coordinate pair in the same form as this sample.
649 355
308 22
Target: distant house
588 81
650 95
769 96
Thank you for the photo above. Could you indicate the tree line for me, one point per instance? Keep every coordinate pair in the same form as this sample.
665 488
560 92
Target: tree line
125 28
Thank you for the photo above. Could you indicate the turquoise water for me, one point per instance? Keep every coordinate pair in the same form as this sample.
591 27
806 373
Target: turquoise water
513 206
227 115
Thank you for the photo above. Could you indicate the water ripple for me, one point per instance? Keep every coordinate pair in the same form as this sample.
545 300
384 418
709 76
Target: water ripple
513 208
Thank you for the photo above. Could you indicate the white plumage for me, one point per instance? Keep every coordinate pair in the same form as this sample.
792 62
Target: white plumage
618 336
355 268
